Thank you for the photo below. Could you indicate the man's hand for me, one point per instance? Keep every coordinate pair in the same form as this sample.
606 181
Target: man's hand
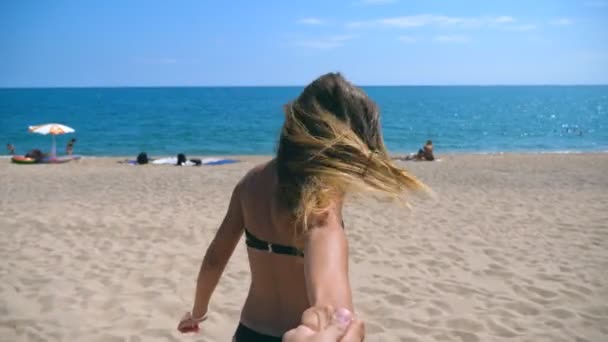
324 324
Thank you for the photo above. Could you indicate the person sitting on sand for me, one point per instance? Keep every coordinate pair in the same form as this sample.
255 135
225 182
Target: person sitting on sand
142 158
290 211
11 149
425 153
70 147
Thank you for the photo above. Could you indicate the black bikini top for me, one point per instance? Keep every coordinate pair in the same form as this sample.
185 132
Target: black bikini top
254 242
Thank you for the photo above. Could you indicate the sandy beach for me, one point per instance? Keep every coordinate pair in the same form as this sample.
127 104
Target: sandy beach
513 248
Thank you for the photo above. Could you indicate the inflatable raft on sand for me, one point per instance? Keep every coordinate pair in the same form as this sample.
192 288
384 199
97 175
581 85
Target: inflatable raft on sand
45 160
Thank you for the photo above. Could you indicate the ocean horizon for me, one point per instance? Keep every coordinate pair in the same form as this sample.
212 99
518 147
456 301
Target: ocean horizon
246 120
438 85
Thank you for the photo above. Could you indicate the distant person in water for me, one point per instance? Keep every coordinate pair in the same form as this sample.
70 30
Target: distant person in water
11 149
70 147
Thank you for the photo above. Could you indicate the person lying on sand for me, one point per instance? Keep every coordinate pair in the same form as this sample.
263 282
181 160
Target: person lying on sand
182 160
141 159
290 211
424 154
35 154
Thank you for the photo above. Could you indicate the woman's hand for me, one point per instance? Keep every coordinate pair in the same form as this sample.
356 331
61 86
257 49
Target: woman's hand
324 324
188 323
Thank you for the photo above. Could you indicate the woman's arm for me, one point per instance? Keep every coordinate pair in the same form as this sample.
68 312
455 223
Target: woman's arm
326 262
218 254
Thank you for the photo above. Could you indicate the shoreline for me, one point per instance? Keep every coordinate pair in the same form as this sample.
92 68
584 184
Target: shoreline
393 155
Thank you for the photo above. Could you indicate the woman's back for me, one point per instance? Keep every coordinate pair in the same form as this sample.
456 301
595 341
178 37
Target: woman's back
277 295
330 144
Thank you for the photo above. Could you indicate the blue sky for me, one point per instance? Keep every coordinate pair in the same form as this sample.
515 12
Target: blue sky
373 42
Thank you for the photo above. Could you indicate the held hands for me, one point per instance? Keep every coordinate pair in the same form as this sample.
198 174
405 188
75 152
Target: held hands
188 323
324 324
319 324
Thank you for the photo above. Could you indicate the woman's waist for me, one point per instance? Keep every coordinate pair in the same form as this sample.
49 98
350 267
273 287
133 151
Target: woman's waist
271 315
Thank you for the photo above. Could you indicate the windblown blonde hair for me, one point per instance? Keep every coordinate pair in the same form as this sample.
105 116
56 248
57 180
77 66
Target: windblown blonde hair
331 144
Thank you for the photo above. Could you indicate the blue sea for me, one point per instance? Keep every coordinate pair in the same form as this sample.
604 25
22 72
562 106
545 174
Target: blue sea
247 120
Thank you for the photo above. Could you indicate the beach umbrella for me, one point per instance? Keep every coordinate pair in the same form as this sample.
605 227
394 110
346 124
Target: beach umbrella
52 129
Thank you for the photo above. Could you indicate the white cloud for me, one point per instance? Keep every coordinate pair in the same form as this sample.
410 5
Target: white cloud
410 21
355 24
452 38
311 21
408 39
421 20
521 28
561 22
330 42
505 19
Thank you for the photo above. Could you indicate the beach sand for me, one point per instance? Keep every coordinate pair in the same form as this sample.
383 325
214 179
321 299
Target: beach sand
513 248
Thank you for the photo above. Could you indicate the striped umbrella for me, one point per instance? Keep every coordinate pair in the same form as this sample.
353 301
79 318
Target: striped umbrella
53 129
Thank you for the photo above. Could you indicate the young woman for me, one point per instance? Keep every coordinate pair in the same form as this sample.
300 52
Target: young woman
290 210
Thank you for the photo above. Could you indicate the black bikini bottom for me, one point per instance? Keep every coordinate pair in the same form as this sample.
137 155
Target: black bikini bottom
245 334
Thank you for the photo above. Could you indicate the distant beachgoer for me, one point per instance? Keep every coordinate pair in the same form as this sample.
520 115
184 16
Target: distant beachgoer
142 158
290 211
182 160
70 147
424 154
11 149
35 154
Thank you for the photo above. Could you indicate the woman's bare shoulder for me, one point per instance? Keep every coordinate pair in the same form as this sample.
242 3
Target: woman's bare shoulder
260 173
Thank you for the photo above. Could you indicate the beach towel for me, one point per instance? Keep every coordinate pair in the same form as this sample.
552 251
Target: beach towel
173 161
